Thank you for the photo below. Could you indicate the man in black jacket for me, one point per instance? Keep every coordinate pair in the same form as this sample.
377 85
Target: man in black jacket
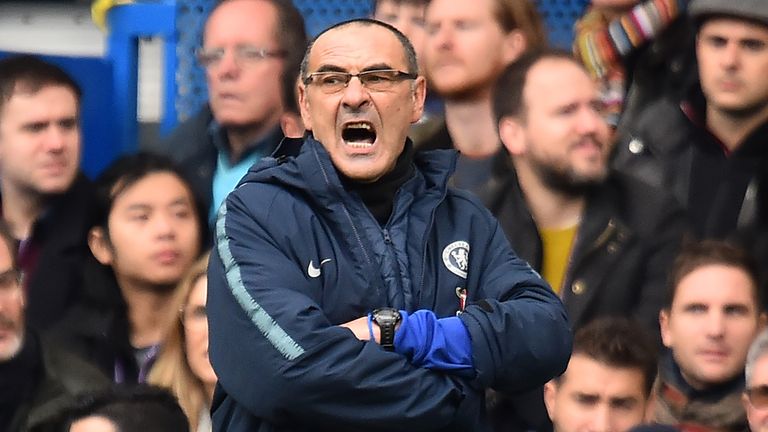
36 380
44 199
603 241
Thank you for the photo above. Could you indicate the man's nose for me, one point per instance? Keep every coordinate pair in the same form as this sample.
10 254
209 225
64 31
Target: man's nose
228 65
355 94
56 138
602 421
715 325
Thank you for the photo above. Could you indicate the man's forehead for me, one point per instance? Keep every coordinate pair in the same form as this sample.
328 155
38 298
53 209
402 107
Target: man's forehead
361 42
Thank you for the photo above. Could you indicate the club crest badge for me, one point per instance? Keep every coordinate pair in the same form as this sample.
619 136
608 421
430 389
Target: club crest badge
456 258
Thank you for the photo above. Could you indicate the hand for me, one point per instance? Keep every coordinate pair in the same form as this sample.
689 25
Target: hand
360 329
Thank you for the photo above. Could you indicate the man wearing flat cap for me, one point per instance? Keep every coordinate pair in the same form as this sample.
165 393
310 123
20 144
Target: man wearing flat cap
711 149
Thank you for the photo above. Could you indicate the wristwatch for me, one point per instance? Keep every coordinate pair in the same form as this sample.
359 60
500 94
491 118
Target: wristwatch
387 319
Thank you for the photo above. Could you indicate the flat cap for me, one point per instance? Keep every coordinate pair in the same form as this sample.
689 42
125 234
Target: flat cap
754 10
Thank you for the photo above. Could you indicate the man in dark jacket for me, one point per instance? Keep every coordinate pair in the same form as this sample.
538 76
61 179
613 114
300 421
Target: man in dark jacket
349 288
45 200
602 240
36 379
710 148
247 45
712 312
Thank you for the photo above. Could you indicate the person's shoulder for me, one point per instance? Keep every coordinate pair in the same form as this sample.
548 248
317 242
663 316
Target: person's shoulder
71 372
639 204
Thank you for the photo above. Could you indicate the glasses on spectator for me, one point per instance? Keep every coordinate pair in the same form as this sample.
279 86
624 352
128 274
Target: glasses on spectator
374 80
9 280
192 316
758 396
244 55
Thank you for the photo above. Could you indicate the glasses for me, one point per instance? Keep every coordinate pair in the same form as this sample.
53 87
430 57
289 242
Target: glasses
244 55
758 396
374 80
9 281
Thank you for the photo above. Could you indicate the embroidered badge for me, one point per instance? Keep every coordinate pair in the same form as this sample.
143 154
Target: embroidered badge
456 258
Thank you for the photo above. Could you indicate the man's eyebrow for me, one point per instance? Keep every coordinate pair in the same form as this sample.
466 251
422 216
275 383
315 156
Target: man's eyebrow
330 68
334 68
377 66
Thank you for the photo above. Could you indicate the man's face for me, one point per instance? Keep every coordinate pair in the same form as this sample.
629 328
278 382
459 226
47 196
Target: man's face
594 397
466 48
40 141
711 323
11 307
363 130
94 423
244 92
756 406
154 234
562 136
408 18
733 63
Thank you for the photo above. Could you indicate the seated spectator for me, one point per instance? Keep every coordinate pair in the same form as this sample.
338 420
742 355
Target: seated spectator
36 379
44 198
755 397
468 45
712 313
709 148
608 382
183 366
136 408
148 234
408 17
246 47
602 240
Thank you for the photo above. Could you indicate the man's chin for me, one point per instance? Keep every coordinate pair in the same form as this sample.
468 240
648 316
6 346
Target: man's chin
10 347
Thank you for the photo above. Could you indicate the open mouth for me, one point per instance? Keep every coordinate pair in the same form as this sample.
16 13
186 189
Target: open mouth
359 134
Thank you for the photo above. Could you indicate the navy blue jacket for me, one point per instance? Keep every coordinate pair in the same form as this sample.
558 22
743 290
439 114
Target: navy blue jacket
283 362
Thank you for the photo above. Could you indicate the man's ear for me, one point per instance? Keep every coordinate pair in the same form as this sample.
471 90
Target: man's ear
512 134
550 394
666 334
419 96
761 321
304 106
514 46
100 246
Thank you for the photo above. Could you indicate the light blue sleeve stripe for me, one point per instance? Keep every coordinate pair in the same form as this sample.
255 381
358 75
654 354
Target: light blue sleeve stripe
263 321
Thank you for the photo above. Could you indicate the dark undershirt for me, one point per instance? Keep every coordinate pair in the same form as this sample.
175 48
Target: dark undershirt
379 196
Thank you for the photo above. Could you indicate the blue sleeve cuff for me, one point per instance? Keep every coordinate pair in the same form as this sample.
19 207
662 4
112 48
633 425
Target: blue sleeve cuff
432 343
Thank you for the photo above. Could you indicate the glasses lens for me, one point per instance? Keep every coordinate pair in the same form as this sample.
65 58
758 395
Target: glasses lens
380 79
332 82
210 57
758 396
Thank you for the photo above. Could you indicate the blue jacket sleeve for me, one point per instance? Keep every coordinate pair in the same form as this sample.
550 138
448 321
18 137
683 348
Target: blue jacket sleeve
432 343
279 357
519 329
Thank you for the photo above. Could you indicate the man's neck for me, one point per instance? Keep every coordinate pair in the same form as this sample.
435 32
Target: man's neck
472 128
240 139
20 210
733 130
148 308
550 209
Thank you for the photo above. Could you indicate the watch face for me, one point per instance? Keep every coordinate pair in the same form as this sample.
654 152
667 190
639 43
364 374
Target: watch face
386 315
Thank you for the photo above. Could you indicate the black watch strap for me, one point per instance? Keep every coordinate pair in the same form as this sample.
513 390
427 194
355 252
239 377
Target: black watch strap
387 319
